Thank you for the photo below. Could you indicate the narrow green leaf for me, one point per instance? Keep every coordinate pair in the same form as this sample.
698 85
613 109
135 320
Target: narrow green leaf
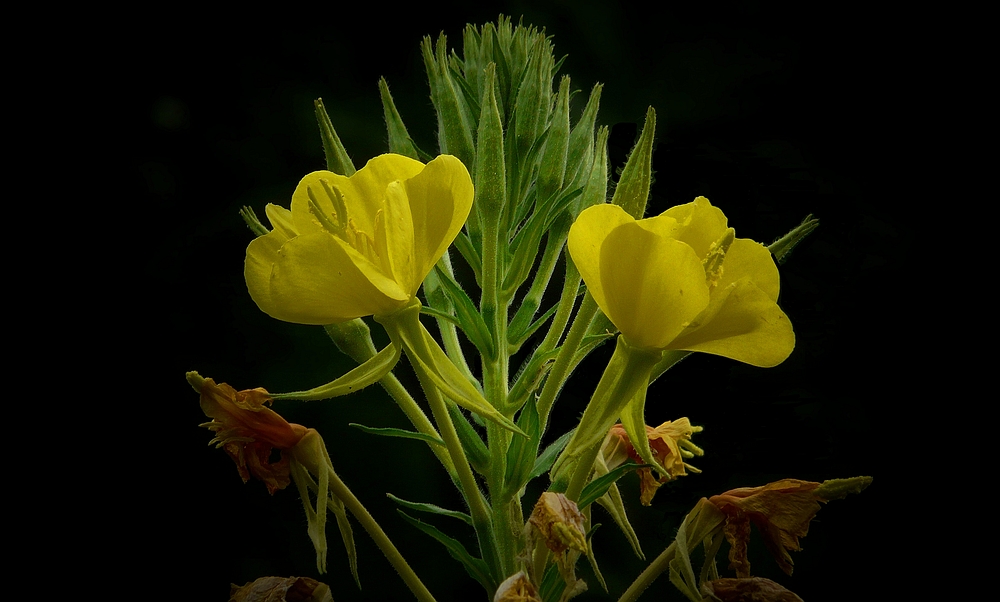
366 374
521 453
431 508
545 460
600 485
468 250
518 339
469 319
337 159
437 313
475 450
530 377
476 567
394 432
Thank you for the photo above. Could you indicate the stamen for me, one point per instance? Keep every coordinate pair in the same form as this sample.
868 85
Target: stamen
339 205
321 215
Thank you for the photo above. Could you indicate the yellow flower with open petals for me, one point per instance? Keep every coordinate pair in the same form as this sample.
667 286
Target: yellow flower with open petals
359 245
682 280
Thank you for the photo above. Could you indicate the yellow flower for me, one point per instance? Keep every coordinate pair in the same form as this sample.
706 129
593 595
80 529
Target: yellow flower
359 245
682 280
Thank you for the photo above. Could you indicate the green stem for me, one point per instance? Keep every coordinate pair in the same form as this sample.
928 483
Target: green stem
354 339
339 489
481 518
703 521
567 299
561 369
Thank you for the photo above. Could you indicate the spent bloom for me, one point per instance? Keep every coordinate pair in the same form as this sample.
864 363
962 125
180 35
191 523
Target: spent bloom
682 280
247 430
670 444
781 510
360 245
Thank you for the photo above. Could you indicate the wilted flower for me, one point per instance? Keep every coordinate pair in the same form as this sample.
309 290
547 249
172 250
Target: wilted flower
751 589
280 589
682 280
360 245
781 510
558 522
247 430
670 443
516 588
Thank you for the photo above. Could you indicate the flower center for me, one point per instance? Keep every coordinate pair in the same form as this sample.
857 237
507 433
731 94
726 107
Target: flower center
716 256
371 246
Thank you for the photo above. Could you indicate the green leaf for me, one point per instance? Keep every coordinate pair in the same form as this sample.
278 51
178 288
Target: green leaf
366 374
544 461
399 433
468 250
469 319
530 378
431 508
337 159
475 450
476 567
600 485
521 453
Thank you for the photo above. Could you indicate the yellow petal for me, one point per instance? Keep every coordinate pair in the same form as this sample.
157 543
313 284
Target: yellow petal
281 220
319 279
585 239
439 200
742 323
364 192
653 285
262 252
750 259
699 224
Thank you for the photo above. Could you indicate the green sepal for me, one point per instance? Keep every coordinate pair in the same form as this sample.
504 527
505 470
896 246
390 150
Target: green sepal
521 453
353 338
398 433
632 191
366 374
533 96
600 485
475 450
548 456
531 377
782 248
253 222
615 506
590 549
634 421
475 567
337 159
432 509
468 317
399 138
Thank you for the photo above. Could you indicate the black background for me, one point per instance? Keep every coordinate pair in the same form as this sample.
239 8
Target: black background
771 113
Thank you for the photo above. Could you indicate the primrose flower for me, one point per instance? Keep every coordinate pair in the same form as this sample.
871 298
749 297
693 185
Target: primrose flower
682 280
247 430
666 442
359 245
